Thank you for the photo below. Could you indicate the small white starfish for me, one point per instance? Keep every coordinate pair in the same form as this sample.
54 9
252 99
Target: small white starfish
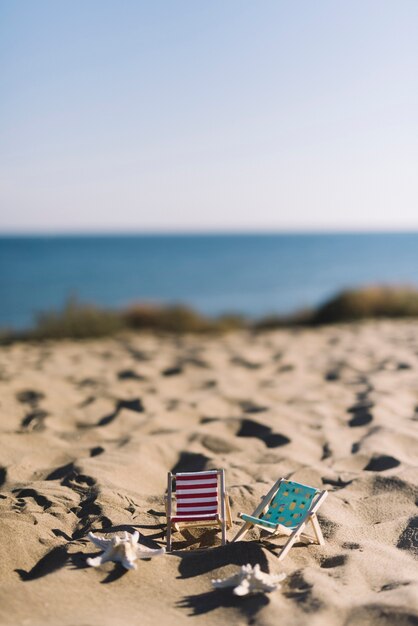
123 550
250 580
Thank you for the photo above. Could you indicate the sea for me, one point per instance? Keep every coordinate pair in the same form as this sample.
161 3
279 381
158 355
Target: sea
251 274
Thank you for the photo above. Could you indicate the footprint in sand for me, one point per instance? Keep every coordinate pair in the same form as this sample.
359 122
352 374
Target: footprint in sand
333 375
61 472
351 545
300 590
34 420
3 476
88 382
172 371
333 561
408 540
403 366
381 463
395 585
29 396
361 413
133 405
190 462
338 483
251 407
40 500
129 375
195 362
326 452
87 401
249 365
209 384
249 428
96 451
88 511
287 367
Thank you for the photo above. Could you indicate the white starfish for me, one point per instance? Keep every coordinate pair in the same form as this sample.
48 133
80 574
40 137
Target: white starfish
250 580
124 550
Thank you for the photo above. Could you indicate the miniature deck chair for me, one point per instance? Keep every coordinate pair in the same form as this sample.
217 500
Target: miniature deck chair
286 510
200 500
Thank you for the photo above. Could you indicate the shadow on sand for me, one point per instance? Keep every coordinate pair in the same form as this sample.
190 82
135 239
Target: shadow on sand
196 562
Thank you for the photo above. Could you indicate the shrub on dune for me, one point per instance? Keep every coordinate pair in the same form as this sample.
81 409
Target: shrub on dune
369 302
175 318
76 321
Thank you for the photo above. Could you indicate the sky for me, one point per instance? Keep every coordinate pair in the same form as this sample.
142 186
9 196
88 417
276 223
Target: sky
189 115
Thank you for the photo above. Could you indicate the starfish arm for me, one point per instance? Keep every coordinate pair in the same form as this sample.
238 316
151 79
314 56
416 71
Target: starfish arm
98 541
128 564
110 554
135 537
242 589
219 583
149 554
96 562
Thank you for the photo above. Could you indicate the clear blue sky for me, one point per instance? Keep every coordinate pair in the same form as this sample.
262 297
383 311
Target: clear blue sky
208 115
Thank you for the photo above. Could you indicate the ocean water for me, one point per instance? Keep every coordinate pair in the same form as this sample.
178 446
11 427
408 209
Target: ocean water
251 274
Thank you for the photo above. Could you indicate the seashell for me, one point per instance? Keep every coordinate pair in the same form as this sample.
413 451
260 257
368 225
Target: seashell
250 580
123 550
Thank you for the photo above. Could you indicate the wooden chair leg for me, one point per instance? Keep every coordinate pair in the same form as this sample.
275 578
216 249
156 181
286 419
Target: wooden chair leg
168 510
263 504
242 531
228 512
289 543
223 532
224 498
317 529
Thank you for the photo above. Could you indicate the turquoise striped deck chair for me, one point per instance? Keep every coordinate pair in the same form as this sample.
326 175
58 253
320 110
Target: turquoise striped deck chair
287 509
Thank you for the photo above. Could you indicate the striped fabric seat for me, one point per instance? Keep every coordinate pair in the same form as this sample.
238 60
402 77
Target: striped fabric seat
196 496
196 500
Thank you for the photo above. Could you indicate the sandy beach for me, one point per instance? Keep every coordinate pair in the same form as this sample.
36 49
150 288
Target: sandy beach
89 430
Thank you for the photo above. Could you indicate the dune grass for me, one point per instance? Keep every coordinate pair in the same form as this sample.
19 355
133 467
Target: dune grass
177 319
368 302
81 321
76 321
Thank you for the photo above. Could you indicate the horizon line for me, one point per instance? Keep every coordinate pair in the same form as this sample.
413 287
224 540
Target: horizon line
207 232
201 233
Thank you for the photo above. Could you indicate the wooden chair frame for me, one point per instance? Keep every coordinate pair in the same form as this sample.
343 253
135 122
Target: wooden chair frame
294 534
223 519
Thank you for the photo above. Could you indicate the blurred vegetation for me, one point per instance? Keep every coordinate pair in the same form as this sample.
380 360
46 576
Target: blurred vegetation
76 321
81 321
270 322
369 302
176 319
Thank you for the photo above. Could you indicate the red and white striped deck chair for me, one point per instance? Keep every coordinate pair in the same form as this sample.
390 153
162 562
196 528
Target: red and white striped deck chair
200 499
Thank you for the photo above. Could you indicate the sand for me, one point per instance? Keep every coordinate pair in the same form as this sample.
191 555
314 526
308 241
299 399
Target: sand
90 429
